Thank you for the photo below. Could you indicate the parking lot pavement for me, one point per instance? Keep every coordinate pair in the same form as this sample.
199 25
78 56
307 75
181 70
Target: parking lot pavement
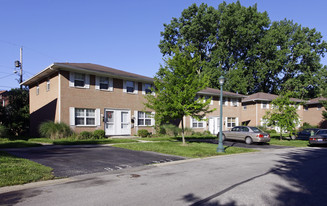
68 161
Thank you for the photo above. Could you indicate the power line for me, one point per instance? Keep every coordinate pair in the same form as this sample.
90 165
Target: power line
6 76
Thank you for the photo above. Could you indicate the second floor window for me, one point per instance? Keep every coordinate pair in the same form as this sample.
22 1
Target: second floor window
104 83
147 88
48 85
79 80
130 87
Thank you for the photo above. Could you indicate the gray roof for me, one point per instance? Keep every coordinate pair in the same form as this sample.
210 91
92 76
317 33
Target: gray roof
261 96
316 100
86 68
216 92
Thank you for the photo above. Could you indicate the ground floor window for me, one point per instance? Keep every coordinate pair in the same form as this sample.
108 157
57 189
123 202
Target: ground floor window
231 122
197 124
144 119
84 117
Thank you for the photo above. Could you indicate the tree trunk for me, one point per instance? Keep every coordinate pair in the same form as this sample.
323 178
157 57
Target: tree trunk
183 138
281 135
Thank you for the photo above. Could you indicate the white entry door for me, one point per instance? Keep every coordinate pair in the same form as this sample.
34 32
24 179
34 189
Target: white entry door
117 122
214 125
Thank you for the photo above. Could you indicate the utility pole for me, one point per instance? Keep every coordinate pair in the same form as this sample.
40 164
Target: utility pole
20 65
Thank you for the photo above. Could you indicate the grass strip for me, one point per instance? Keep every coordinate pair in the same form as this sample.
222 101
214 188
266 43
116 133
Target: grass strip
289 143
191 150
15 170
17 144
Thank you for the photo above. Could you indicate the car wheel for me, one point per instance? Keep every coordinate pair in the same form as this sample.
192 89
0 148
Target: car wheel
293 137
248 140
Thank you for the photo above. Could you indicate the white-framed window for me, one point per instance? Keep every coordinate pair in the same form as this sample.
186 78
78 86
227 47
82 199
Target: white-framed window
231 122
263 122
225 101
144 119
79 80
234 102
130 87
48 85
104 83
147 88
208 97
84 117
264 105
37 89
197 124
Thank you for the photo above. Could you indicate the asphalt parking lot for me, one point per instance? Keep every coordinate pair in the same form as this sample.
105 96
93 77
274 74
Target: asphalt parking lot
68 161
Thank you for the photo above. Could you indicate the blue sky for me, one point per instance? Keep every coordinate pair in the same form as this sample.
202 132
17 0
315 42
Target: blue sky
121 34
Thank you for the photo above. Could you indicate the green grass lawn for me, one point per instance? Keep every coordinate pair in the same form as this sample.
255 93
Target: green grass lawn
275 140
15 170
6 143
191 150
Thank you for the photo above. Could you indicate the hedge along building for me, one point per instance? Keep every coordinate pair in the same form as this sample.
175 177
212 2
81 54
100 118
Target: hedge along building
89 97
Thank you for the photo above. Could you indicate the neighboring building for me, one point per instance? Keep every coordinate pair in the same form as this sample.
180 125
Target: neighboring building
255 106
231 112
4 100
88 97
313 111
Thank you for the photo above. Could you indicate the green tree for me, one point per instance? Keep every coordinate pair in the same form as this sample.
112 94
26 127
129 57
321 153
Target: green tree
177 84
283 114
243 45
15 116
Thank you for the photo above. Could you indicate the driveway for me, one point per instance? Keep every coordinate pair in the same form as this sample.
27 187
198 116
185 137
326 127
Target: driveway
68 161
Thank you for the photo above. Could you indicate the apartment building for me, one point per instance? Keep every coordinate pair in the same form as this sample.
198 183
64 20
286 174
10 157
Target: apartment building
89 97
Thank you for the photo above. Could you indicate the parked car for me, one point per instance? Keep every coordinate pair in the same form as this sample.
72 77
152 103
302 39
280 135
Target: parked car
247 134
319 138
305 134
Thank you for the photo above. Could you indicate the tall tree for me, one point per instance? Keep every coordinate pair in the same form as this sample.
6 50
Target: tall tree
177 84
251 52
283 114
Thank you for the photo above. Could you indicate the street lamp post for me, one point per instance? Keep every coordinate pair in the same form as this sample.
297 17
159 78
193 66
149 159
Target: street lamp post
220 147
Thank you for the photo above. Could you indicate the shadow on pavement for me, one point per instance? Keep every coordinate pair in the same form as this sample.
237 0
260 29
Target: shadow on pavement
304 170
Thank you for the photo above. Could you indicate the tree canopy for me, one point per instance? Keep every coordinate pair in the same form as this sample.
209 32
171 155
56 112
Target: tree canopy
283 114
253 53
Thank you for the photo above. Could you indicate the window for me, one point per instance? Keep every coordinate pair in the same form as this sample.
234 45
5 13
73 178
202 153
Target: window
319 107
104 83
37 89
129 87
48 85
84 117
79 80
306 108
147 88
264 105
197 124
231 122
225 101
244 107
234 102
144 119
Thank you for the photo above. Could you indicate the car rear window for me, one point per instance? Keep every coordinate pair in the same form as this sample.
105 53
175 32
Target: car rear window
254 129
322 132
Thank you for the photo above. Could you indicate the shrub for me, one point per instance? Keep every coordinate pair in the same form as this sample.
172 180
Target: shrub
306 125
188 131
143 133
55 130
171 130
3 131
99 134
85 135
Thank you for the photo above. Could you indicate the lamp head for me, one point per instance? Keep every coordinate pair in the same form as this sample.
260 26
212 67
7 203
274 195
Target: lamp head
221 80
